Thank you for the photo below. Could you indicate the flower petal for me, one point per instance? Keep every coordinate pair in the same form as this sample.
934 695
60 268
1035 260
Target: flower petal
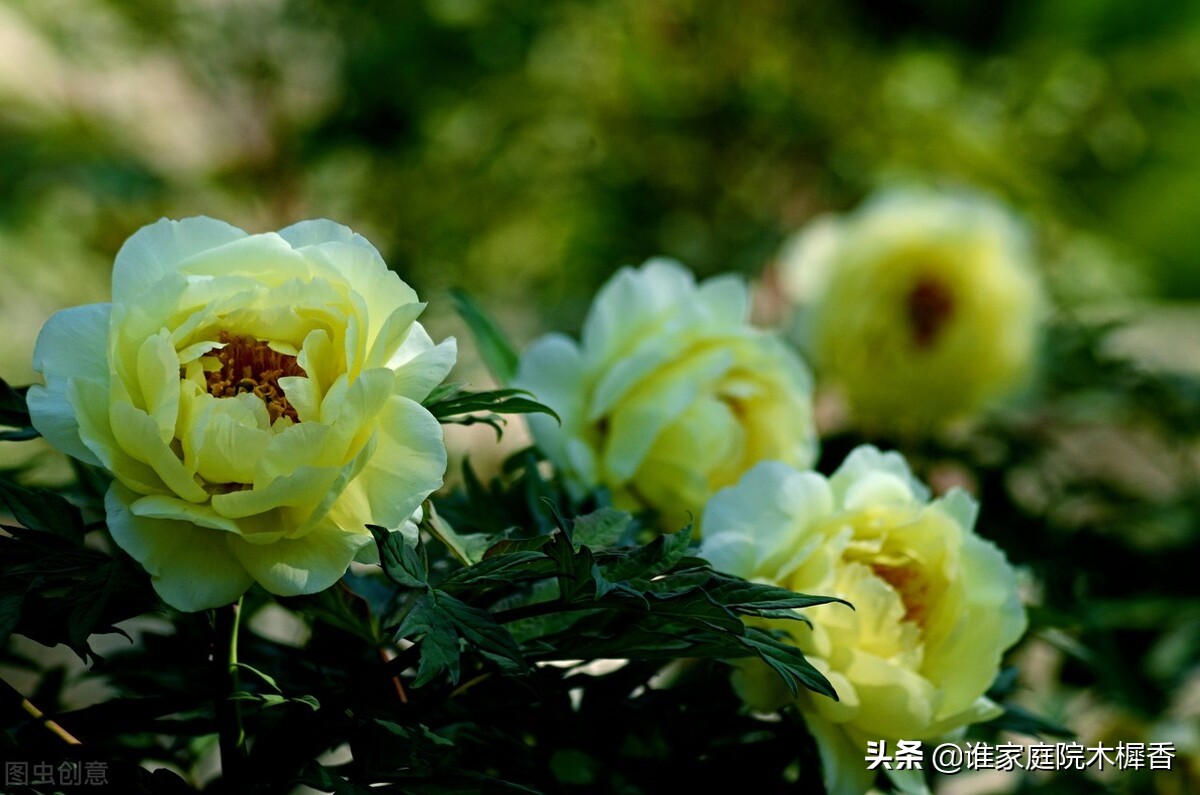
291 567
156 250
192 568
72 344
408 463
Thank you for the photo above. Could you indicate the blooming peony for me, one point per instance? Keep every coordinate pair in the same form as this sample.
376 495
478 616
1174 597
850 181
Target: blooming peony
256 398
935 605
670 395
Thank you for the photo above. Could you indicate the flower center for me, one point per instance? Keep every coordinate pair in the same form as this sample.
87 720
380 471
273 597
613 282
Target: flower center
912 588
930 307
249 365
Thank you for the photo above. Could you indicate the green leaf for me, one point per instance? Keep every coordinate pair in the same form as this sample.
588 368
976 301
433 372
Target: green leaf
13 411
651 559
1022 721
508 546
338 607
600 529
434 631
269 681
266 700
502 569
39 509
481 631
787 661
761 599
468 548
574 568
494 348
463 408
11 603
401 563
439 620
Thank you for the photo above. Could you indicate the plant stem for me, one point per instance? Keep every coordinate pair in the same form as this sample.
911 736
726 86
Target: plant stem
229 711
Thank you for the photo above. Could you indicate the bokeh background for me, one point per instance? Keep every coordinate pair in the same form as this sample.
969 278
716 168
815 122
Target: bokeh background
525 150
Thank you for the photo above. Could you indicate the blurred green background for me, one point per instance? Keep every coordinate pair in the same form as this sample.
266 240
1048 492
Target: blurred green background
527 149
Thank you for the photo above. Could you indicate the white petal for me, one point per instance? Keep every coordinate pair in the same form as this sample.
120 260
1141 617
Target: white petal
156 250
322 230
191 567
408 463
290 567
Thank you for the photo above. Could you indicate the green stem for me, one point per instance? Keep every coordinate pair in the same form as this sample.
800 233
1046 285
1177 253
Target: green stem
229 711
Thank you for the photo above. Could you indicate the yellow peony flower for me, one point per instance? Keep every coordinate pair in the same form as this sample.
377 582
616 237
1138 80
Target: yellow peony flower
256 398
935 606
922 306
671 395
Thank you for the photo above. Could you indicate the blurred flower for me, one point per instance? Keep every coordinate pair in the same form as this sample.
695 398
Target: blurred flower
256 398
671 395
935 606
922 306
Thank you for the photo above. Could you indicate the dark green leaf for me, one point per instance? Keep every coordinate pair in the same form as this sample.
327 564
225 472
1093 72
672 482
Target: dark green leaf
439 620
434 631
40 509
481 631
510 546
13 411
10 612
601 529
338 607
494 348
1022 721
469 548
501 569
649 560
268 680
761 599
401 563
464 408
787 661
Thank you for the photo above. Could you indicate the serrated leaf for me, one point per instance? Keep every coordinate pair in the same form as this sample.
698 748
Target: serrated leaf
466 408
573 568
434 632
401 563
753 598
479 629
649 560
501 569
495 350
787 661
439 620
511 546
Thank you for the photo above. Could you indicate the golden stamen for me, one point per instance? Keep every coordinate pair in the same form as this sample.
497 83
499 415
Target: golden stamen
249 365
